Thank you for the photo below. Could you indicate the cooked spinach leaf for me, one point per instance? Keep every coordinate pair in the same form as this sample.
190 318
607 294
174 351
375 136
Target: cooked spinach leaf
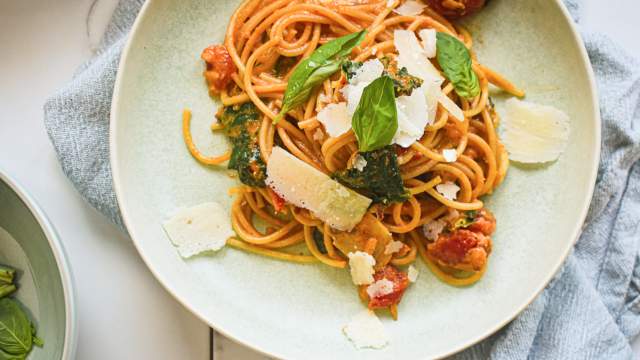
242 124
318 238
380 178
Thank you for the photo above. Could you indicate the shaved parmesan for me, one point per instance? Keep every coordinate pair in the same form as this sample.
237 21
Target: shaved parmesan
361 265
374 50
365 330
369 71
304 186
199 228
335 118
393 247
448 190
410 8
450 155
412 273
413 116
534 133
412 56
360 162
433 229
429 41
451 107
380 288
432 93
390 3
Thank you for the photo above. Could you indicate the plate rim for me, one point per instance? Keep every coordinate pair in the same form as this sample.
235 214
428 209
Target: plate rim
63 265
550 274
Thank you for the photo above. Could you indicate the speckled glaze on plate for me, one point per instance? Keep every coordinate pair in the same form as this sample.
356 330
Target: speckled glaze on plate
29 243
297 311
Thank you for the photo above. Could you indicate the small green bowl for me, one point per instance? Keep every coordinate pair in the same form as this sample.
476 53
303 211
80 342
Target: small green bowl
29 243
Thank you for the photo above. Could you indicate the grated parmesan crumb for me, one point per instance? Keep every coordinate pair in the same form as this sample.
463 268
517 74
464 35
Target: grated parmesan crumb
380 288
448 190
450 155
359 163
393 247
433 229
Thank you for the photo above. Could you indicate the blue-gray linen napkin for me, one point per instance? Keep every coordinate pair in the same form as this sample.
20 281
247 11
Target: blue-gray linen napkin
591 310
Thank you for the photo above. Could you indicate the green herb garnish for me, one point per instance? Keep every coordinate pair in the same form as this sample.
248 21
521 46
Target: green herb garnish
375 120
455 61
466 220
380 178
312 71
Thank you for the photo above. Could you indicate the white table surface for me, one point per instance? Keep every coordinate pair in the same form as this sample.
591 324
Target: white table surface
123 312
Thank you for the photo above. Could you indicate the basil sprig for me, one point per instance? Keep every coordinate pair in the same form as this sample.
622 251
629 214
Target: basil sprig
312 71
455 61
375 120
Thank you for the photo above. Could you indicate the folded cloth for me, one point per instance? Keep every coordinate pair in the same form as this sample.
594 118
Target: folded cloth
592 307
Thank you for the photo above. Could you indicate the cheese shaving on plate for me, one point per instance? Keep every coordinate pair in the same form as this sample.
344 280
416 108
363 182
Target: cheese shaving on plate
413 116
305 186
534 133
361 265
429 41
410 8
412 56
199 228
335 118
365 330
448 190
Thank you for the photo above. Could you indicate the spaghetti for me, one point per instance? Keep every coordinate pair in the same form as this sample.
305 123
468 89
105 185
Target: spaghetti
263 36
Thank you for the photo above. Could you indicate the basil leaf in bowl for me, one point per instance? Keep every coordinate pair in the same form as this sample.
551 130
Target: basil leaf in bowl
375 120
312 71
455 61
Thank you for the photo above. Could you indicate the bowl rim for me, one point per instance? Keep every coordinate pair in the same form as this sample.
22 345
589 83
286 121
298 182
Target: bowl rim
64 268
550 273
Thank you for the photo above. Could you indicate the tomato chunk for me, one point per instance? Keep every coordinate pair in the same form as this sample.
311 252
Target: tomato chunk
220 67
400 282
277 201
461 249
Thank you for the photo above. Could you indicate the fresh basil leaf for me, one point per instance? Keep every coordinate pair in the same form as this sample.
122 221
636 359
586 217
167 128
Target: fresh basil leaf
312 71
455 61
16 335
375 120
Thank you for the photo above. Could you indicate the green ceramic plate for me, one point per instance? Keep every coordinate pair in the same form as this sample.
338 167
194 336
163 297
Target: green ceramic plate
29 243
297 311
